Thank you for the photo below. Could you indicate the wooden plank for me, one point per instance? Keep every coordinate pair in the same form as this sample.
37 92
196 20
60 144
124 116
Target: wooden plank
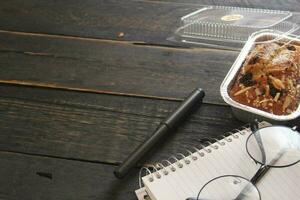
146 21
290 5
102 128
33 178
118 67
138 21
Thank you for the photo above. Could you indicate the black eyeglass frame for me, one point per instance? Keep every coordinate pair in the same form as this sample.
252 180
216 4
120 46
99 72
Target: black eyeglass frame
247 149
263 168
223 176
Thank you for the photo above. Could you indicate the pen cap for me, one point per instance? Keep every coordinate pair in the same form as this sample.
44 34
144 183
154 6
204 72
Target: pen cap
192 101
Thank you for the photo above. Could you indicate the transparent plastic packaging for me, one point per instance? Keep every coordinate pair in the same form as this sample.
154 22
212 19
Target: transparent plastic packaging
230 26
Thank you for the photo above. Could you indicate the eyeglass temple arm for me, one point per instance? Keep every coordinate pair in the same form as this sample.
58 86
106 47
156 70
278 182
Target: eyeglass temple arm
263 169
254 128
259 174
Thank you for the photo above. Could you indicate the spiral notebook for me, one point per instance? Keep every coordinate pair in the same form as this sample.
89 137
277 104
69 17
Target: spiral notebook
184 178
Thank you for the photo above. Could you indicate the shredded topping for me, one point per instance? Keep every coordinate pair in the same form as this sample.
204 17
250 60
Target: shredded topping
269 78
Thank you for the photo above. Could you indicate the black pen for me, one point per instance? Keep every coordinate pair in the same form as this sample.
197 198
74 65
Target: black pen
171 122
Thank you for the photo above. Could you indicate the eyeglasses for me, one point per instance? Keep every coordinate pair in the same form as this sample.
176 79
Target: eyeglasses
274 146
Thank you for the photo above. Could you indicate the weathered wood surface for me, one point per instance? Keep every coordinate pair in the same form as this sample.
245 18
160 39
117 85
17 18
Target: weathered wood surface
119 67
25 177
144 21
139 21
76 97
102 128
290 5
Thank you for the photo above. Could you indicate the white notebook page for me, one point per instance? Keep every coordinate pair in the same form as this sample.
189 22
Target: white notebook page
230 159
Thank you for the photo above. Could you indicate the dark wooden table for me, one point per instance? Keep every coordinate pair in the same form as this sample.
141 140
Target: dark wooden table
82 83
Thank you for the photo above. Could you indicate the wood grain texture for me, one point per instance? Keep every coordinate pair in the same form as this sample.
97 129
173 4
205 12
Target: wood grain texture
290 5
89 100
146 21
102 128
21 179
120 67
138 21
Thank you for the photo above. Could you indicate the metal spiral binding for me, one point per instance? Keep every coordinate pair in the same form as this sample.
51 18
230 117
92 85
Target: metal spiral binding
179 160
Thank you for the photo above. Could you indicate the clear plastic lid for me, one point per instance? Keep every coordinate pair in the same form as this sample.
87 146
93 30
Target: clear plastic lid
231 26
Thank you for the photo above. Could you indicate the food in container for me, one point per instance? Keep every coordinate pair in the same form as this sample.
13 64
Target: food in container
269 78
264 80
273 96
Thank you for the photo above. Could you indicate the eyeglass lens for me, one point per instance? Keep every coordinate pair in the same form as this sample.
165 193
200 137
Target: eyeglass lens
275 146
228 188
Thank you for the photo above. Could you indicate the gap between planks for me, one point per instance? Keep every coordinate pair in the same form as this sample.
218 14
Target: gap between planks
27 83
101 40
59 87
58 157
73 89
114 164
